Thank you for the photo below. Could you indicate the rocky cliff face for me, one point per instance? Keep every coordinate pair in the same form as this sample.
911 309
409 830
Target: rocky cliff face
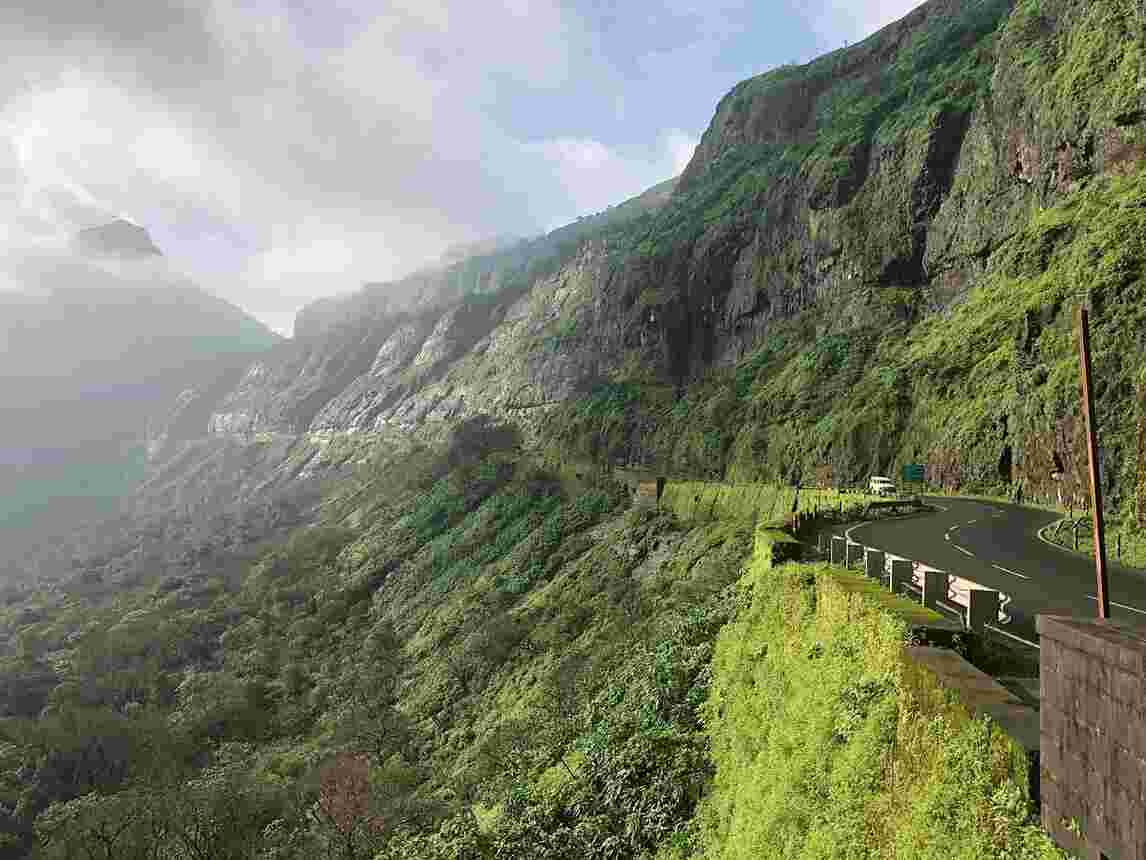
828 207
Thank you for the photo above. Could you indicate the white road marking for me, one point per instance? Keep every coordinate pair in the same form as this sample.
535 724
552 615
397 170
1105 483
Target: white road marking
964 551
1119 605
1041 534
971 522
1011 572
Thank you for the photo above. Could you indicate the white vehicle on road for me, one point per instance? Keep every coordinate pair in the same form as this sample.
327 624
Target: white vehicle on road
881 486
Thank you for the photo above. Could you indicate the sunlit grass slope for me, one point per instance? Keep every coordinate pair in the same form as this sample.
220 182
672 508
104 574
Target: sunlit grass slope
829 743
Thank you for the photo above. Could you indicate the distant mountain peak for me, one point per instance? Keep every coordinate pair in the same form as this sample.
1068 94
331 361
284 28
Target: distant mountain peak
462 250
118 238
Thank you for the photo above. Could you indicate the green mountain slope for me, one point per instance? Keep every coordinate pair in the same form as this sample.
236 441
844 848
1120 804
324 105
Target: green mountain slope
893 241
773 313
363 619
465 655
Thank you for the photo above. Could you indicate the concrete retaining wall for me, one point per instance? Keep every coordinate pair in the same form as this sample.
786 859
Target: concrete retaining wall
1092 729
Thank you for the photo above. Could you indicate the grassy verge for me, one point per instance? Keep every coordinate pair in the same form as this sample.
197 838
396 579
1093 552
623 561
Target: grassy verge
829 743
1125 545
693 501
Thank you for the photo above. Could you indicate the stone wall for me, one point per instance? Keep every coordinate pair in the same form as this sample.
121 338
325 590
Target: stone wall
1140 495
1093 736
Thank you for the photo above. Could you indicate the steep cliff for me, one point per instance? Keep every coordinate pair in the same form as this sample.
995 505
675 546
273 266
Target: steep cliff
855 270
872 259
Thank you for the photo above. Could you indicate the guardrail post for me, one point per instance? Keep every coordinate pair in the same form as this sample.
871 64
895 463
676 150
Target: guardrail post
934 588
855 554
900 574
874 563
839 550
982 608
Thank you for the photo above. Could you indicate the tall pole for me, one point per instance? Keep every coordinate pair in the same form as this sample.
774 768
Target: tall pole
1092 451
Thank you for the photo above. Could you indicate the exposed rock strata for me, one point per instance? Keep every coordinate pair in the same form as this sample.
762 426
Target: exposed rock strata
915 200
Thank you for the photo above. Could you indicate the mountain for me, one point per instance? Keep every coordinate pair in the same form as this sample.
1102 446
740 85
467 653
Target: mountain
94 357
384 591
117 238
872 259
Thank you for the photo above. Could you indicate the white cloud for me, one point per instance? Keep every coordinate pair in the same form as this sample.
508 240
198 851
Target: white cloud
853 20
277 157
598 176
681 145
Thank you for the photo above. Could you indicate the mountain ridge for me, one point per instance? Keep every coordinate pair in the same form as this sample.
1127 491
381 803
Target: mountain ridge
763 316
830 205
401 601
97 360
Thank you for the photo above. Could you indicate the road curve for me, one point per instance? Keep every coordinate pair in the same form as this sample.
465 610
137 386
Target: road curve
996 545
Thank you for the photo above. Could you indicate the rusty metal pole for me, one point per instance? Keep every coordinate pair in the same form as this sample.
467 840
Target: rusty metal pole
1092 452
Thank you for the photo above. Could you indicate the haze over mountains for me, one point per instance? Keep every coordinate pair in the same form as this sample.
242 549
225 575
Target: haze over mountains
100 341
384 589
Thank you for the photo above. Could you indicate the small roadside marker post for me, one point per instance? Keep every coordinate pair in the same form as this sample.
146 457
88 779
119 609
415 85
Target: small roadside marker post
934 588
900 574
874 563
982 608
839 550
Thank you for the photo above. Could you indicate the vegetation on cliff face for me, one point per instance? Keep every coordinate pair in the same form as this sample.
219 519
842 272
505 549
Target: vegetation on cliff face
828 743
876 259
470 657
985 392
462 659
477 651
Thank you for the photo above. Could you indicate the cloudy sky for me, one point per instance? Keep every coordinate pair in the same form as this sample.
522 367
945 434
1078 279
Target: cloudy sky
281 150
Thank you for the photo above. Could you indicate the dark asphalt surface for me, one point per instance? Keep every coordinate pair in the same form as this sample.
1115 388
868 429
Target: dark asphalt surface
997 545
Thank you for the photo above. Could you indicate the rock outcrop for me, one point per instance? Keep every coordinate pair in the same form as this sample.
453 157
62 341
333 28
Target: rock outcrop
866 191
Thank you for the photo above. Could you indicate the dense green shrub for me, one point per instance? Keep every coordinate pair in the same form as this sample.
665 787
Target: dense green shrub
828 743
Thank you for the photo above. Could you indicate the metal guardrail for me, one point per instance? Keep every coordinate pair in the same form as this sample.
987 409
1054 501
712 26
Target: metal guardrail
957 598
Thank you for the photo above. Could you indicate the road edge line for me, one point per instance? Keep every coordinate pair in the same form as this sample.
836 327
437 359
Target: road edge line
1041 536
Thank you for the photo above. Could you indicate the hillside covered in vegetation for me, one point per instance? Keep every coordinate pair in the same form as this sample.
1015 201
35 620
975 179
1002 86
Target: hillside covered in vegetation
479 658
394 602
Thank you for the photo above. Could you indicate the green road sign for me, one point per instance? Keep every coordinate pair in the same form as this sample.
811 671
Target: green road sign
913 472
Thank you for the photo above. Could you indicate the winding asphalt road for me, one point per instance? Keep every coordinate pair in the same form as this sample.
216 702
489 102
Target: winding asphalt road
997 545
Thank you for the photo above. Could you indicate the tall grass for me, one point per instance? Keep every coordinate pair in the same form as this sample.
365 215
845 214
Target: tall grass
1125 542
